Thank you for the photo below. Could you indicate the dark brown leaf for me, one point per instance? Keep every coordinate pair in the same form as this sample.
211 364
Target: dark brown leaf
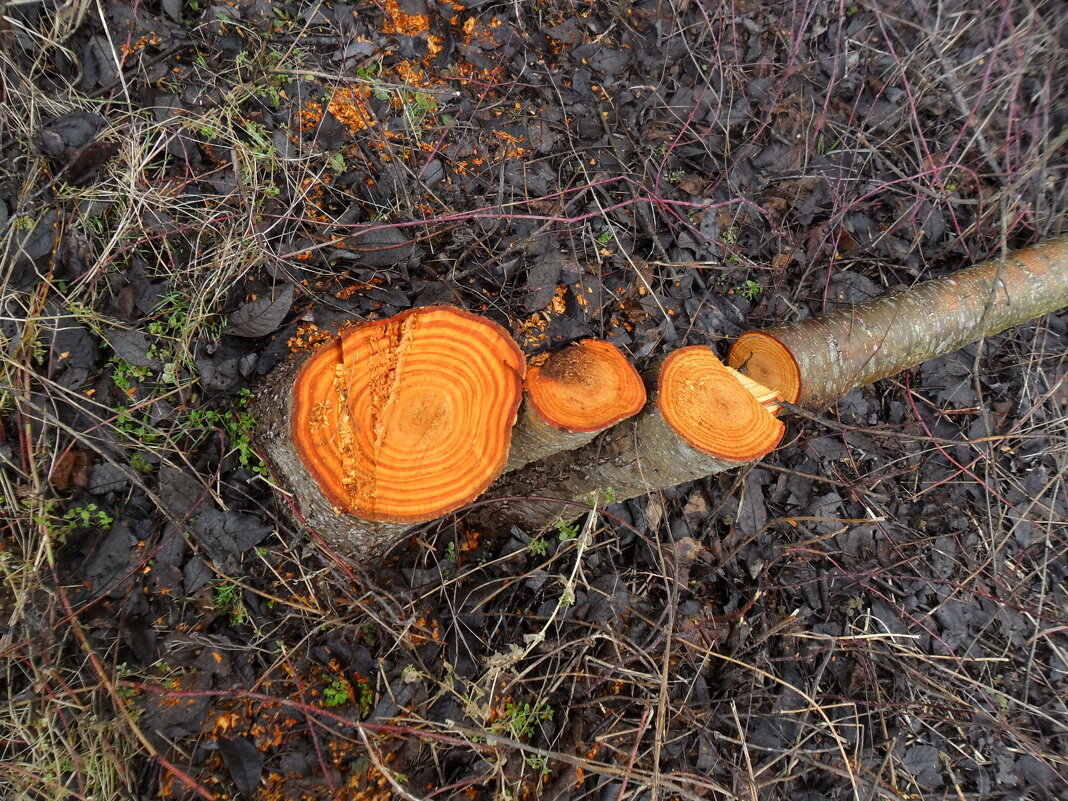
262 316
244 762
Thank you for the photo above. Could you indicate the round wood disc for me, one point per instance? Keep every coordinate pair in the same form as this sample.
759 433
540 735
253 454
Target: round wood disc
587 386
409 418
767 361
711 410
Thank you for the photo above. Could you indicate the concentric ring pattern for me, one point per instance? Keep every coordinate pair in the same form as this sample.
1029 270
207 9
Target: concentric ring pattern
767 361
585 387
710 410
409 418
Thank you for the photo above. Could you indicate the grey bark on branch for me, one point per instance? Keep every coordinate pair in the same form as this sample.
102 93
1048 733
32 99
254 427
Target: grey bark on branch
816 361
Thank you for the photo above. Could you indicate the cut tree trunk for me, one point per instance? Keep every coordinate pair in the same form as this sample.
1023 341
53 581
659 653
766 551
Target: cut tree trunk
814 362
404 420
703 418
396 422
571 395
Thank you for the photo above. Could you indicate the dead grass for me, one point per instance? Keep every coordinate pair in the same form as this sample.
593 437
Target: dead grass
737 673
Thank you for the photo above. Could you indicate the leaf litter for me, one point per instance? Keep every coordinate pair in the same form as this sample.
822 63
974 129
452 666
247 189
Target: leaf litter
196 190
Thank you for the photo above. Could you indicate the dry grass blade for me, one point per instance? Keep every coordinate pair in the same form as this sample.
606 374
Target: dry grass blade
189 190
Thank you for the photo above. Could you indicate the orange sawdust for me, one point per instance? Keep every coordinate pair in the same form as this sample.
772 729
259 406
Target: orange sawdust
412 74
425 628
307 337
532 331
139 44
400 21
313 190
349 106
273 726
310 115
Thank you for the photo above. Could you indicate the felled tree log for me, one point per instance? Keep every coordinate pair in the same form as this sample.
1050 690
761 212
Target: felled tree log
702 418
571 396
814 362
397 422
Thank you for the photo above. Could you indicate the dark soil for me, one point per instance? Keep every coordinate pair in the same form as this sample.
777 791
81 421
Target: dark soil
191 190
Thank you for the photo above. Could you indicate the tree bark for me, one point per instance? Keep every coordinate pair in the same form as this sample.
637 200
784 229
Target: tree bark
572 395
651 451
533 439
272 409
817 361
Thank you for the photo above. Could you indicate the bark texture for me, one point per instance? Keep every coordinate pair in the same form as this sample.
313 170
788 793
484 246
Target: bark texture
647 452
853 347
272 409
571 395
634 457
533 439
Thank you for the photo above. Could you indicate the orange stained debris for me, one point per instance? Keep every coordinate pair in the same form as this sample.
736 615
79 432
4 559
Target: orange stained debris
558 304
349 106
143 41
400 21
310 115
307 337
412 74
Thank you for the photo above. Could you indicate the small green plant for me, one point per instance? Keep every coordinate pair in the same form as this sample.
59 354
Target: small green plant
372 75
368 633
88 516
567 531
750 289
450 552
599 497
367 699
520 720
825 146
140 463
418 107
262 141
126 375
227 598
234 425
538 547
605 236
538 762
336 693
336 162
136 426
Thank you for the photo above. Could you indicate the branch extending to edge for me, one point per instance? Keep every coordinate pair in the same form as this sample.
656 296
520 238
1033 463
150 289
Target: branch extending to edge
703 417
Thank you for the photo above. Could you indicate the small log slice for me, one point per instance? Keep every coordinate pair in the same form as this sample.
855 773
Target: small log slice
572 395
703 418
396 422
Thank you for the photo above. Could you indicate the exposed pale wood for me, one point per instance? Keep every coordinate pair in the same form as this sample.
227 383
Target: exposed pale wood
397 422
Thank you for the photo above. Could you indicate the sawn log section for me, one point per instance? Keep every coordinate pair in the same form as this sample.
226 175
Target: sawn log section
404 420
